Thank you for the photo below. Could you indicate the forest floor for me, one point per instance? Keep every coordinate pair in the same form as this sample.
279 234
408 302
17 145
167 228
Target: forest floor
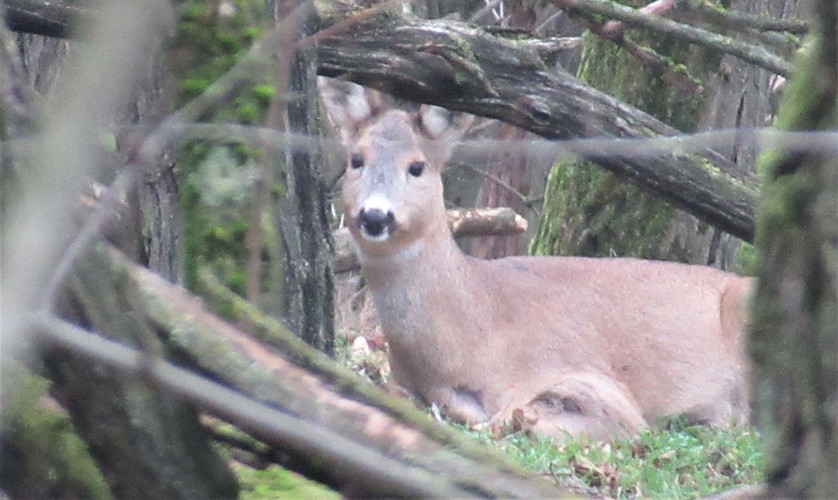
672 460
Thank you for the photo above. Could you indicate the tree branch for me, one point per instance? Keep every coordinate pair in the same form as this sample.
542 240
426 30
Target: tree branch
734 19
754 54
381 475
465 69
336 426
462 68
45 17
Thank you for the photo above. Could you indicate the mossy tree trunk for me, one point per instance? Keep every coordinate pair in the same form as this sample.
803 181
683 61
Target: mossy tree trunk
304 223
794 338
588 211
147 443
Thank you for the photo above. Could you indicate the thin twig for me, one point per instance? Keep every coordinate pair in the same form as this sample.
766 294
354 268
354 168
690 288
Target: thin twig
477 17
379 472
503 184
748 52
759 23
655 63
105 209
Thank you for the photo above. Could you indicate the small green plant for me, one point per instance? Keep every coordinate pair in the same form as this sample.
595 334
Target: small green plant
671 461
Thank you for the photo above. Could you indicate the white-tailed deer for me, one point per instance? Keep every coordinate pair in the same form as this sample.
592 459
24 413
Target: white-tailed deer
572 345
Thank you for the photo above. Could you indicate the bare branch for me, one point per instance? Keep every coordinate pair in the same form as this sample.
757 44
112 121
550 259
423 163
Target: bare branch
738 20
754 54
368 471
464 69
292 397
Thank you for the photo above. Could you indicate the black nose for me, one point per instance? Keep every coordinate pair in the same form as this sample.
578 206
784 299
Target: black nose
376 222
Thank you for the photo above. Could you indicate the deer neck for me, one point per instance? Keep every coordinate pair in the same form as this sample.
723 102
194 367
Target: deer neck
426 262
418 296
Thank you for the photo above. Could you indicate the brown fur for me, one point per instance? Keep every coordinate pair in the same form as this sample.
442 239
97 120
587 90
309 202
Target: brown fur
576 345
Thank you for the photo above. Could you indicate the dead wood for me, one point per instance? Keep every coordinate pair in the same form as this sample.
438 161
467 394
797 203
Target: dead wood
357 438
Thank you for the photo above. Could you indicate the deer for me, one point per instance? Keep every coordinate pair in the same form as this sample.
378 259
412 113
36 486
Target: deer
564 346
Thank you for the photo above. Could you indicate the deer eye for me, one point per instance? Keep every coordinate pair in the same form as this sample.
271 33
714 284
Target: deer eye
356 160
416 168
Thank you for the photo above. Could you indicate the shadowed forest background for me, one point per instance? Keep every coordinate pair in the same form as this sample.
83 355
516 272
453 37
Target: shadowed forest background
176 284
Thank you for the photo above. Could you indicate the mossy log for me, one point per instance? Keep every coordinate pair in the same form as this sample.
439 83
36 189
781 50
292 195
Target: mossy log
324 420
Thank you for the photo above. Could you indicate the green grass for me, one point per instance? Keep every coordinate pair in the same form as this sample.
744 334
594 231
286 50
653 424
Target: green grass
674 461
679 461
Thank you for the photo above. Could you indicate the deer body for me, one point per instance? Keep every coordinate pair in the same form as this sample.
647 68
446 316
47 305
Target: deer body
574 345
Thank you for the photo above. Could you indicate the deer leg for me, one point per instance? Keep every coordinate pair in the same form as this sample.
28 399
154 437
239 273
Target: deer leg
578 404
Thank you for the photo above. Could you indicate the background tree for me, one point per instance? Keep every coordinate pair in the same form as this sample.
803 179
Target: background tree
588 211
134 450
794 338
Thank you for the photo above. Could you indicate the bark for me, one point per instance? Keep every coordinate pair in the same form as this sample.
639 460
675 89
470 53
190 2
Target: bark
738 96
306 233
147 443
588 212
46 18
152 445
794 340
466 69
510 176
755 54
326 422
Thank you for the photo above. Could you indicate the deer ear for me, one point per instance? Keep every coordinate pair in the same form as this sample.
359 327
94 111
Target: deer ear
441 130
348 105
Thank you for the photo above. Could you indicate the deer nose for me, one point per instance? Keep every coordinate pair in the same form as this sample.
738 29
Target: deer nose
376 224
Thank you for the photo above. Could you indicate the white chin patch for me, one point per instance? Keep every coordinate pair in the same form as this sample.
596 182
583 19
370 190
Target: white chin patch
378 237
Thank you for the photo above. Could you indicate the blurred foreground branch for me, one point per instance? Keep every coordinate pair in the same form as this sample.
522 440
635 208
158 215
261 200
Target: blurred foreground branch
329 423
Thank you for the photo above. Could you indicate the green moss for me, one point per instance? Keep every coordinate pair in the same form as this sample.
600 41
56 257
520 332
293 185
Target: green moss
215 195
41 455
276 482
588 211
264 93
192 87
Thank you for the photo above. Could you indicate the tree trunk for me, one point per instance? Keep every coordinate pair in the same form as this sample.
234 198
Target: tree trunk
147 443
588 211
304 222
794 338
507 179
321 419
738 97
